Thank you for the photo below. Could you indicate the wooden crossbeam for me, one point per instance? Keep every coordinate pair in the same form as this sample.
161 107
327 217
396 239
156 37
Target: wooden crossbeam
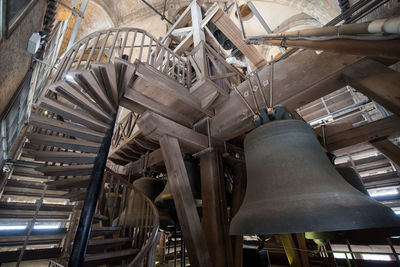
377 82
297 80
184 203
387 148
386 127
155 126
169 86
228 27
159 108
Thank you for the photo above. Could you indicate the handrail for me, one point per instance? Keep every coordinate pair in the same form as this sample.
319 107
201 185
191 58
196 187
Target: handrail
147 245
133 43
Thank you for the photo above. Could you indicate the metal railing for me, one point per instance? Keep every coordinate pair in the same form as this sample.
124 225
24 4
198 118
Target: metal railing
134 213
124 129
130 43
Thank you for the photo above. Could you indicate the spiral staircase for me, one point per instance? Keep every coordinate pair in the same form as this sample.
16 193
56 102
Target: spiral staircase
64 137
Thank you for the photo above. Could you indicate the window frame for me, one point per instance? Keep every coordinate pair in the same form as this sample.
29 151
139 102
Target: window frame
7 30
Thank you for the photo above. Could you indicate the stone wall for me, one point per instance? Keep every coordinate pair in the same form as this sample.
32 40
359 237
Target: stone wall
15 60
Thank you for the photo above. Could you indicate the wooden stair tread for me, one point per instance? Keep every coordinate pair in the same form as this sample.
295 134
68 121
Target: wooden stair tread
88 82
62 142
107 77
74 115
75 195
67 128
30 254
24 184
31 206
111 255
126 72
70 170
95 245
62 157
34 232
99 231
80 181
100 217
27 172
80 99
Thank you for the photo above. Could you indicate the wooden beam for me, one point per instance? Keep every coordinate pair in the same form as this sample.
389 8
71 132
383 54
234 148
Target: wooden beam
297 80
386 127
380 48
387 148
290 250
377 82
198 33
181 22
228 27
169 86
238 192
215 221
189 220
159 108
156 126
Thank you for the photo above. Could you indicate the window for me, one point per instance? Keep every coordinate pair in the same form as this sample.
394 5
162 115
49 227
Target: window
376 257
11 13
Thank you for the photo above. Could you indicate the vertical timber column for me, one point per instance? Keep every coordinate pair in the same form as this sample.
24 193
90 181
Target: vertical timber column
238 192
184 203
198 38
215 219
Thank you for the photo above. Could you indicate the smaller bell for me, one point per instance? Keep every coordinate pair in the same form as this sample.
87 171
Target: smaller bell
149 186
165 202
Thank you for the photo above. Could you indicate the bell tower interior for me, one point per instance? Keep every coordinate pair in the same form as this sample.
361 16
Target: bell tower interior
204 133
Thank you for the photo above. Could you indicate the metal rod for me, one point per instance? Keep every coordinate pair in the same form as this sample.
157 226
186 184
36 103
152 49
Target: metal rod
155 10
271 86
77 24
89 206
262 21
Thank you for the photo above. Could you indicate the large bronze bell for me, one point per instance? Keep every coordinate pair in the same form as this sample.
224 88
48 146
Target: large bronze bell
293 188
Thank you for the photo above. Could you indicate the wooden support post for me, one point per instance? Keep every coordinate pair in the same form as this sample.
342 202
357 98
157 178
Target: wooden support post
387 148
184 203
215 219
301 241
238 192
198 33
290 250
376 81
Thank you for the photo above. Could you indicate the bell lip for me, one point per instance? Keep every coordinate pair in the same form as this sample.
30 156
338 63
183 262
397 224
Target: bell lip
240 224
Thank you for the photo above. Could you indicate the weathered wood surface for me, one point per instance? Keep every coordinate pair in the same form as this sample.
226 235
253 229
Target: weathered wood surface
377 82
215 221
228 27
297 81
386 127
189 220
387 148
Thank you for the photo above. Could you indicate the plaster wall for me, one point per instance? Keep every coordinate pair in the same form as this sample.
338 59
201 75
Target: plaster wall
15 60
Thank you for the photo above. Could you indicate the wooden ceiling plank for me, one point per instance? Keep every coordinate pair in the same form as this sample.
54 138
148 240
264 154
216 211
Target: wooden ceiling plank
377 82
387 148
